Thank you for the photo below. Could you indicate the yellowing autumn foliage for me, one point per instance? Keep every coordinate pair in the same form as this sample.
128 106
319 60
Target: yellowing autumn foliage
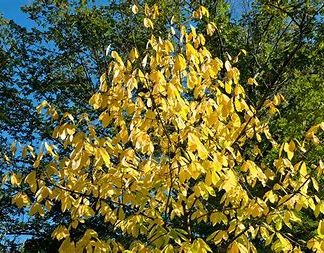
174 158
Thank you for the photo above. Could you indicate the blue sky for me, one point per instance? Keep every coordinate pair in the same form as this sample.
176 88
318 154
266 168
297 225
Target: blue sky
11 10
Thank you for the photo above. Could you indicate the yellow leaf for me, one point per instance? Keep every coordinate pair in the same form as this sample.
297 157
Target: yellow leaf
172 91
184 175
36 208
67 246
105 118
242 248
320 229
285 244
15 179
148 23
117 58
290 148
135 9
220 236
42 193
75 224
96 101
190 51
195 144
315 184
144 62
276 100
251 81
218 217
31 180
269 239
201 245
243 51
210 28
228 65
21 200
168 249
271 196
228 87
50 150
133 54
105 156
103 83
42 105
87 211
204 11
303 170
60 232
180 63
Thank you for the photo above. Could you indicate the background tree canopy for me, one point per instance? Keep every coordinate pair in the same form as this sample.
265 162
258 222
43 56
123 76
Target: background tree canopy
62 58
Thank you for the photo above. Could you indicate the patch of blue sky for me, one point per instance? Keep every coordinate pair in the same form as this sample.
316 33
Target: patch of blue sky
10 9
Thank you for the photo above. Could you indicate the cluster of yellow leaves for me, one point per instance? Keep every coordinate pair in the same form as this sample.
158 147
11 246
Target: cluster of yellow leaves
201 12
271 105
175 152
151 12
